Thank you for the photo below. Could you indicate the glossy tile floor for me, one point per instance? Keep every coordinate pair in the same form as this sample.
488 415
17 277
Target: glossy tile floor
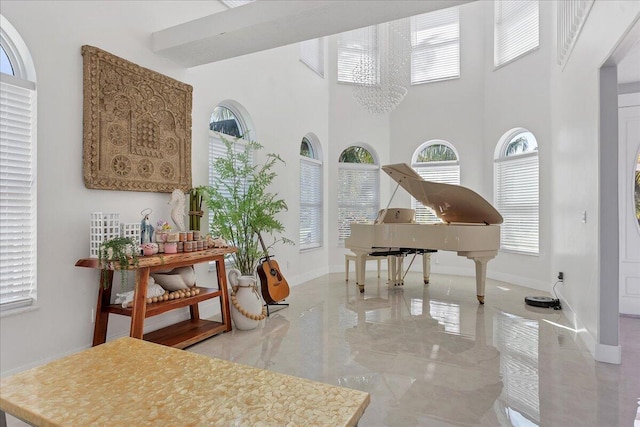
432 356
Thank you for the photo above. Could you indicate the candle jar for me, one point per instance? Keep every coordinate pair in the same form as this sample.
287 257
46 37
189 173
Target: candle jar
171 247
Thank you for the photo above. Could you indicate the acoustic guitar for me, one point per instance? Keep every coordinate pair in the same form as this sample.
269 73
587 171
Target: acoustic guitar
274 286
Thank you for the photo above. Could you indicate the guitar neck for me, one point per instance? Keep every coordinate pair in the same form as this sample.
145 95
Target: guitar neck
264 248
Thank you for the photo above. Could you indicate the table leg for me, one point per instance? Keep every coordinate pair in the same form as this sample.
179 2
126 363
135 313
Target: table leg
225 311
102 315
194 311
139 308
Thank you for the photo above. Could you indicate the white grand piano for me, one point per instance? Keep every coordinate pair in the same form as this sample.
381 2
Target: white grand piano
470 227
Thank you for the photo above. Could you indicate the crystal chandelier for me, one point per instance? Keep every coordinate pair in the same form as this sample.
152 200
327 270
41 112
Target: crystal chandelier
382 75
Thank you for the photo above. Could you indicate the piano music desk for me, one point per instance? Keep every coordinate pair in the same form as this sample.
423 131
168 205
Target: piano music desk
131 382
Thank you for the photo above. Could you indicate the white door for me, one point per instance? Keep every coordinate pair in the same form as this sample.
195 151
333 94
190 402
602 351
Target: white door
629 161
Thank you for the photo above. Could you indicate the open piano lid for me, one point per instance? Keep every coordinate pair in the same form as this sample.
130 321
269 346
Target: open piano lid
451 203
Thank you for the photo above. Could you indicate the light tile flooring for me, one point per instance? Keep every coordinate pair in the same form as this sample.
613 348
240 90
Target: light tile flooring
432 356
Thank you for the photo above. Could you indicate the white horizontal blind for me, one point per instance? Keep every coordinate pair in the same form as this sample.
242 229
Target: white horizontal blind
310 203
358 196
217 148
352 46
17 194
517 199
435 42
571 16
312 54
443 172
516 29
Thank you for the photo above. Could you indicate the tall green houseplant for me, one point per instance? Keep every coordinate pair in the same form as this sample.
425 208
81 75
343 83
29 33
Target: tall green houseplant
240 204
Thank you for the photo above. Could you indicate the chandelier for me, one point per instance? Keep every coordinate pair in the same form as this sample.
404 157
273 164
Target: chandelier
382 75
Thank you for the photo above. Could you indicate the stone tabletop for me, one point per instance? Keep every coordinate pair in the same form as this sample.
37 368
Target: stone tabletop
129 382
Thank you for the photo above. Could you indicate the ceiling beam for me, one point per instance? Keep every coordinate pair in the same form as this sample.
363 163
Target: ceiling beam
264 25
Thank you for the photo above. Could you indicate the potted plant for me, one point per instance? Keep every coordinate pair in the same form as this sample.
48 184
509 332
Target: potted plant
119 253
240 204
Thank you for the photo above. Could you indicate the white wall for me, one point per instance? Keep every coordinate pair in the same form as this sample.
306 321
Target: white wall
575 170
286 100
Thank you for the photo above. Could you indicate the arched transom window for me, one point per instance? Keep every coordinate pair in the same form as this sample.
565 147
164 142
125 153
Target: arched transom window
516 191
435 161
358 188
311 195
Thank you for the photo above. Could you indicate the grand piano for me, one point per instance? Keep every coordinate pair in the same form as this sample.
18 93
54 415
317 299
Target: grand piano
470 227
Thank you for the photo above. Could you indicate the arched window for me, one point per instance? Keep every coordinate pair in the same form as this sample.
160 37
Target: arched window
516 191
435 161
231 123
224 120
358 188
311 196
17 171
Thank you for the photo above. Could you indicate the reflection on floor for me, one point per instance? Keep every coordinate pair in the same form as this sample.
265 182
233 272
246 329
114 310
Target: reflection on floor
430 355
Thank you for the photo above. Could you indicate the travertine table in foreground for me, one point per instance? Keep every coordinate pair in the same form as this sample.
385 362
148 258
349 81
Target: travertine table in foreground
131 382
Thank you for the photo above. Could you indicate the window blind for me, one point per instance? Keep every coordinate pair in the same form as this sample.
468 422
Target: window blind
516 29
444 172
17 193
352 45
517 199
310 203
435 42
217 148
312 55
358 196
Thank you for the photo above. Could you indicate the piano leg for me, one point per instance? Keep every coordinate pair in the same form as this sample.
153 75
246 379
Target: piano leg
361 267
396 266
481 259
426 267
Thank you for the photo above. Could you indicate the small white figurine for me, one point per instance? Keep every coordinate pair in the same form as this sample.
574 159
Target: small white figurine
177 210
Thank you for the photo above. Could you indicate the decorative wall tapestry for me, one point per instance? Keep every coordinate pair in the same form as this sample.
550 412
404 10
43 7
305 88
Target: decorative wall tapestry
137 126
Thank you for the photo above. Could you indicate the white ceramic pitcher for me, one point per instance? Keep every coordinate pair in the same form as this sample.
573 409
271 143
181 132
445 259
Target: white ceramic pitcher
246 304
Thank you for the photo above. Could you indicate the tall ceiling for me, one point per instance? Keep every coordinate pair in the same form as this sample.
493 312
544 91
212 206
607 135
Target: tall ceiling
268 24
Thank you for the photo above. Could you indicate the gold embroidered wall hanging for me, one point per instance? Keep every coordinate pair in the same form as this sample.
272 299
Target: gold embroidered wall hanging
137 126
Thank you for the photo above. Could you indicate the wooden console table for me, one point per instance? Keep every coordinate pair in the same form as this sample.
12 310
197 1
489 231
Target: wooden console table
130 382
181 334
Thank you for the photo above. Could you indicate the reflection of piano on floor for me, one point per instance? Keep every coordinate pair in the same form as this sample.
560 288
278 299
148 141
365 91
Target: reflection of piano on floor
470 227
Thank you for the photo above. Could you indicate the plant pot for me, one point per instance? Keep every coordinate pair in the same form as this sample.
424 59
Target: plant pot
246 304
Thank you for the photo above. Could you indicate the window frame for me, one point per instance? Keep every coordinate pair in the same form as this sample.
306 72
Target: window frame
312 55
499 36
348 37
21 86
318 207
513 241
374 206
421 169
216 146
437 17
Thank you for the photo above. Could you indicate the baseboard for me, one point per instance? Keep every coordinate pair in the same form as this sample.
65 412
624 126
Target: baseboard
608 354
599 352
307 276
